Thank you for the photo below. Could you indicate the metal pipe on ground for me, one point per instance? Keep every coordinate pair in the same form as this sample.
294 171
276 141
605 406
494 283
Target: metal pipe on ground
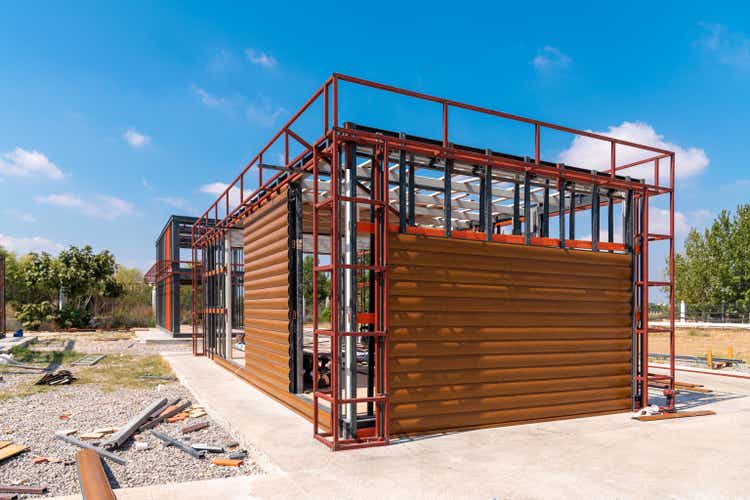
93 479
179 444
104 453
135 423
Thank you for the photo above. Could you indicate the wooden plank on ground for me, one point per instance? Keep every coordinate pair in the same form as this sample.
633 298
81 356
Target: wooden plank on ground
12 450
679 414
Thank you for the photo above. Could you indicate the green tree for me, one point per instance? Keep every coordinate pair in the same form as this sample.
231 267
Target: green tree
714 267
324 286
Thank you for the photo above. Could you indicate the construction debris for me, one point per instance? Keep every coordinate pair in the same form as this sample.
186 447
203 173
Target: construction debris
226 462
135 423
167 412
8 496
194 427
24 490
93 479
208 447
178 418
89 360
173 442
93 436
7 359
681 414
9 449
140 445
240 455
100 451
66 432
59 377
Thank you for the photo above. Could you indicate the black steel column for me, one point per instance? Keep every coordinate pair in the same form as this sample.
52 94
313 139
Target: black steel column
572 225
527 208
595 218
516 208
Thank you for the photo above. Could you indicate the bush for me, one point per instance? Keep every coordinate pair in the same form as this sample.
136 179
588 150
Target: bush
74 317
33 316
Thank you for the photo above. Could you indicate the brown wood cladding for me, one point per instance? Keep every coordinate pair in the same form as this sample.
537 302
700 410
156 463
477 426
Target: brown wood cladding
266 243
485 334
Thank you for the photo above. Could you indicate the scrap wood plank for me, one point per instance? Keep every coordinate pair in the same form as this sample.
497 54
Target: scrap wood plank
28 490
93 479
3 444
12 450
680 414
227 462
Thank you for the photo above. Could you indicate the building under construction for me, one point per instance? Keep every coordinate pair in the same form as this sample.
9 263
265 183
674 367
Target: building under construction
398 282
173 269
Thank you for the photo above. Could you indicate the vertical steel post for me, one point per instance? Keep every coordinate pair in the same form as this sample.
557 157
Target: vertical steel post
671 283
412 190
401 187
561 210
595 217
350 289
544 231
516 207
572 224
610 218
447 196
228 295
487 207
644 304
527 208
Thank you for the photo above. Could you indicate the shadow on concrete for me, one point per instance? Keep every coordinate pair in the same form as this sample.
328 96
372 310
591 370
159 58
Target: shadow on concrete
687 400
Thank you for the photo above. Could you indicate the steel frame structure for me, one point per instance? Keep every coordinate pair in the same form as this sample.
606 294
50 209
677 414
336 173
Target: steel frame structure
330 160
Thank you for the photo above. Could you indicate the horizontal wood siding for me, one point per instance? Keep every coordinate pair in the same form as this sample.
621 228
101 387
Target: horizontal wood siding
485 334
266 243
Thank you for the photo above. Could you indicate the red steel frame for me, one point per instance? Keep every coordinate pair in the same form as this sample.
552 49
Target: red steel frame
328 146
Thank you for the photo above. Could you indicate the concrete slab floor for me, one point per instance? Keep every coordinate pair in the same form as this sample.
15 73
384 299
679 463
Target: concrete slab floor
599 457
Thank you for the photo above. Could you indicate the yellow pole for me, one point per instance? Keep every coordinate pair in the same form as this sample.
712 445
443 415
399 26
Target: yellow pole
710 359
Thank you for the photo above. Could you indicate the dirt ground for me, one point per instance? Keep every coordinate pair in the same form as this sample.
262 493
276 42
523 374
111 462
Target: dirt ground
698 341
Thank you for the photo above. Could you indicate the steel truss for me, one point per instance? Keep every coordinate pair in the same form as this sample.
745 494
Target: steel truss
521 193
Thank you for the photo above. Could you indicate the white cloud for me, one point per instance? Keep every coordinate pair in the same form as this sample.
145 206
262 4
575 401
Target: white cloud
683 221
23 163
174 202
731 49
550 59
19 215
591 153
26 245
100 207
221 61
260 58
262 112
208 99
135 138
217 189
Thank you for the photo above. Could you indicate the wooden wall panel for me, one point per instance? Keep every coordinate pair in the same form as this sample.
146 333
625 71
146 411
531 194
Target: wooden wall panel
266 244
485 334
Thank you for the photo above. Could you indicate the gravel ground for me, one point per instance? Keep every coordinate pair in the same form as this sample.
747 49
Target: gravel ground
32 420
91 343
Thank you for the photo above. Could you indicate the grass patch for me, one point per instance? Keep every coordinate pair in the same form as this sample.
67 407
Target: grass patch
58 357
118 372
112 373
114 335
697 333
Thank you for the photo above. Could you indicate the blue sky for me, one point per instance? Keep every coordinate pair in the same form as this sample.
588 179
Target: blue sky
114 116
